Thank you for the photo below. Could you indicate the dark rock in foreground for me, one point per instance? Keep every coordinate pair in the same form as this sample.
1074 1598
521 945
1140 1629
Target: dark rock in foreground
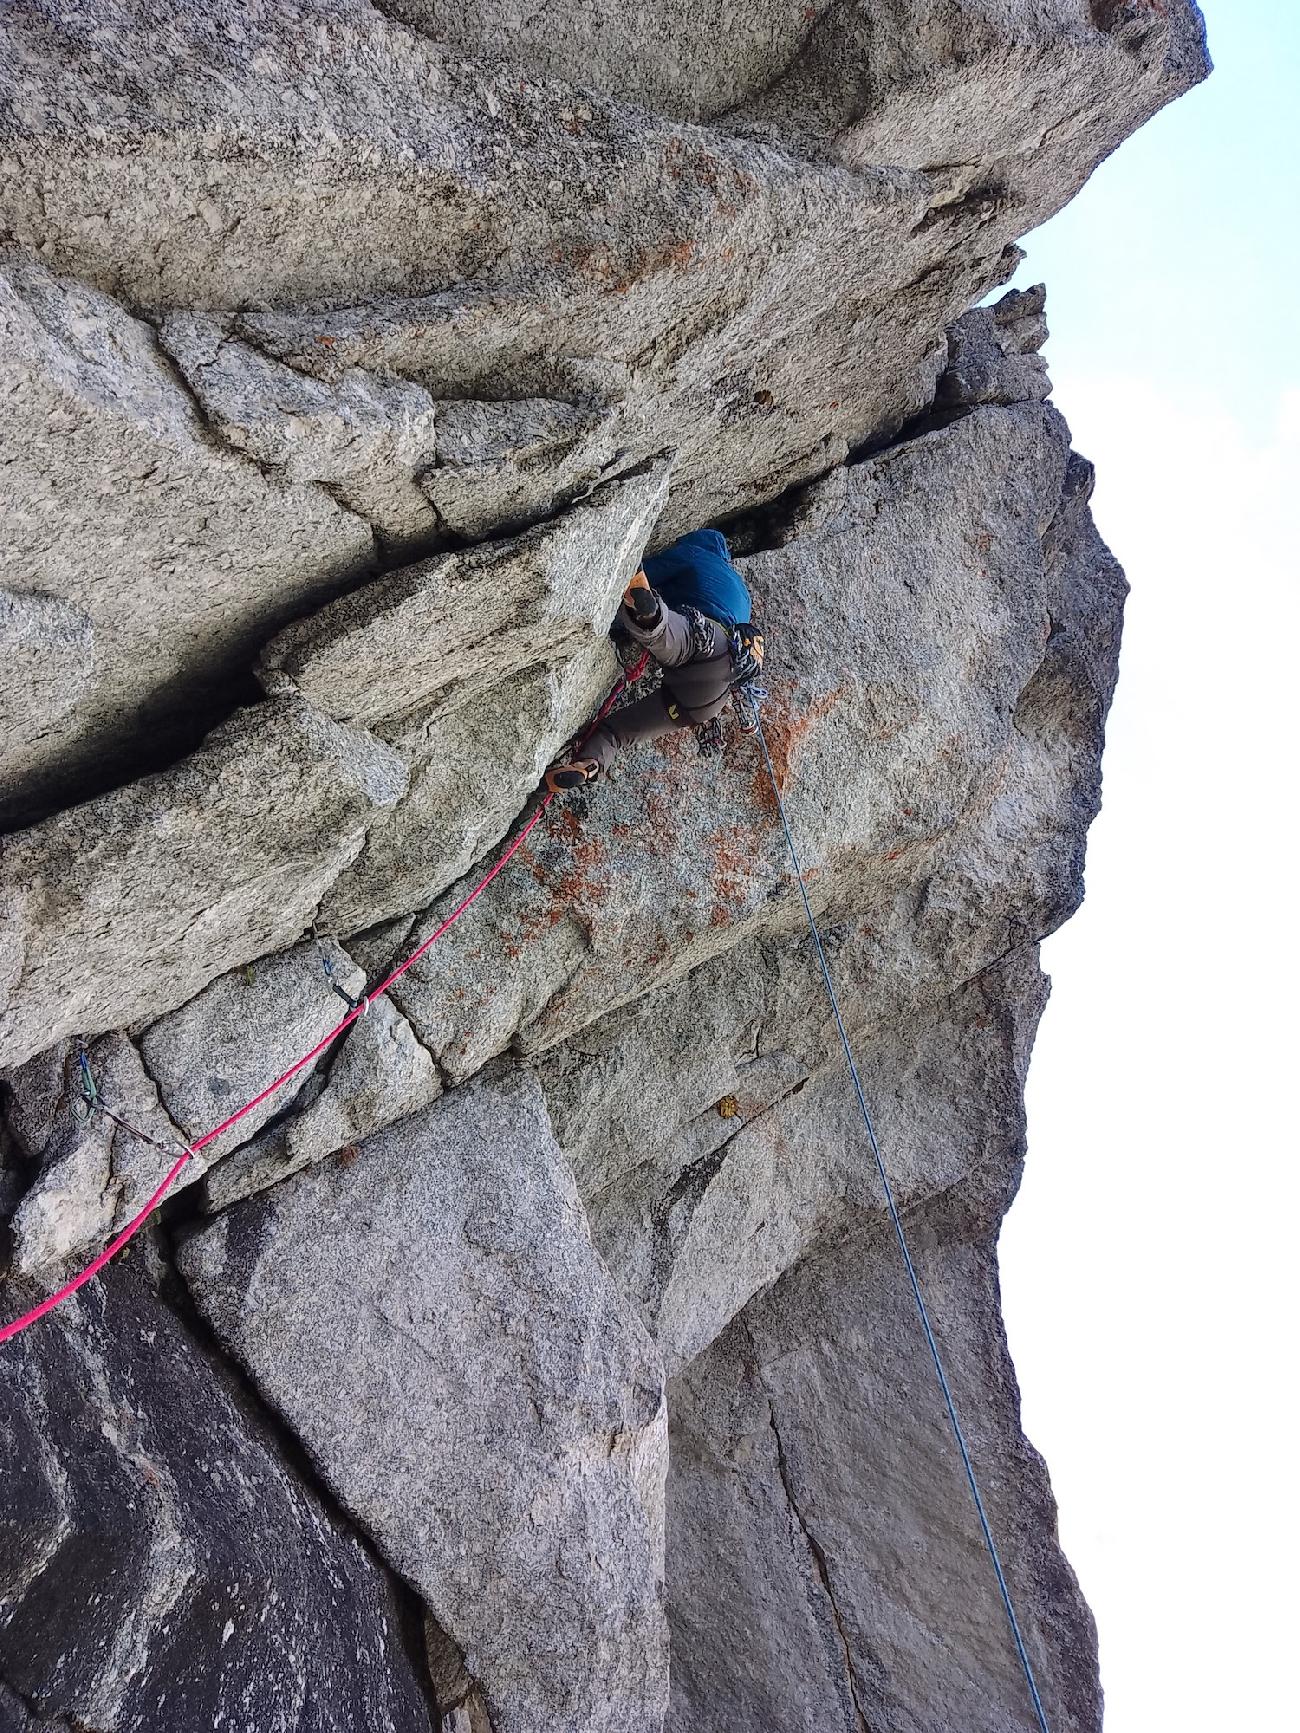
353 355
164 1567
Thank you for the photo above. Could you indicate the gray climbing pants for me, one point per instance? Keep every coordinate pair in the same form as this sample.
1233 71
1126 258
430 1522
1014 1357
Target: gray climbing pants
695 688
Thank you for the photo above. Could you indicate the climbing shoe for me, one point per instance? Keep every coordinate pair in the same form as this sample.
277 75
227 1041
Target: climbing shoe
562 776
641 601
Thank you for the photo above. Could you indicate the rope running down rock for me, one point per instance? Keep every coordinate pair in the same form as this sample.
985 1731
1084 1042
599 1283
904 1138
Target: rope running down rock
358 1010
901 1237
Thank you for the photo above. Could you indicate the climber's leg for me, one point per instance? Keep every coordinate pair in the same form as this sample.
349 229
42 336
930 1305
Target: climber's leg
647 719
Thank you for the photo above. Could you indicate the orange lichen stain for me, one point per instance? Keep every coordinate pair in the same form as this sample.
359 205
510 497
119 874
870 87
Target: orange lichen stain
734 847
616 277
786 728
671 255
700 164
574 881
707 168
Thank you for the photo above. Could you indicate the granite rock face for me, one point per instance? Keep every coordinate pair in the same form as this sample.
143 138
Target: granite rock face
385 212
814 1473
432 1320
917 617
354 353
125 906
163 1564
379 1074
144 560
93 1175
771 1181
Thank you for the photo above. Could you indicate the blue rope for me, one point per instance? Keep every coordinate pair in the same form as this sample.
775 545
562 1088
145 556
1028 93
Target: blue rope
896 1219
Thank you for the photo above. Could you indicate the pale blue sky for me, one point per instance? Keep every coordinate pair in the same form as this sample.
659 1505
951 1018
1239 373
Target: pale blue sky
1149 1265
1180 259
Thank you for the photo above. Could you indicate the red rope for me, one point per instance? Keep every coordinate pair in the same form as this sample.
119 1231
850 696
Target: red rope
137 1222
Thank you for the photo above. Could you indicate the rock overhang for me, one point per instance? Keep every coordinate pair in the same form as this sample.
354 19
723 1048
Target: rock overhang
411 318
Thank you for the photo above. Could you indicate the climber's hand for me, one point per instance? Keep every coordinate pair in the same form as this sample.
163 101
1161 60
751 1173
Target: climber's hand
641 601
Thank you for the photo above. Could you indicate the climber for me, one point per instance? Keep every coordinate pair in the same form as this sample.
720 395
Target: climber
689 607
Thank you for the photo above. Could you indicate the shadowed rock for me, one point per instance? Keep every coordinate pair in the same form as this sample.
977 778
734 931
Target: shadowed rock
432 1320
993 354
149 560
128 905
163 1565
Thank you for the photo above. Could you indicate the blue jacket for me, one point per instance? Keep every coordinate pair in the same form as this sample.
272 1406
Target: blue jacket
697 569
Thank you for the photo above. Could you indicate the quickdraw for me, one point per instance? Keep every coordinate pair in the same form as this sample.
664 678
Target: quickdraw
747 692
747 688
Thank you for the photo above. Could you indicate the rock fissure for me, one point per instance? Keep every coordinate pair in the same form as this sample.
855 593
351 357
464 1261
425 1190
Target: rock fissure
822 1570
414 1614
373 436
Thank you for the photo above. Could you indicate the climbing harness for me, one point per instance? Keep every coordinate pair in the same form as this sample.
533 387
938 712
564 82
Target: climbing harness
358 1009
747 689
701 633
746 646
901 1237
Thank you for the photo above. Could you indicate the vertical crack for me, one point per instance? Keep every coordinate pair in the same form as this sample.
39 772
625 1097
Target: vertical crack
823 1573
